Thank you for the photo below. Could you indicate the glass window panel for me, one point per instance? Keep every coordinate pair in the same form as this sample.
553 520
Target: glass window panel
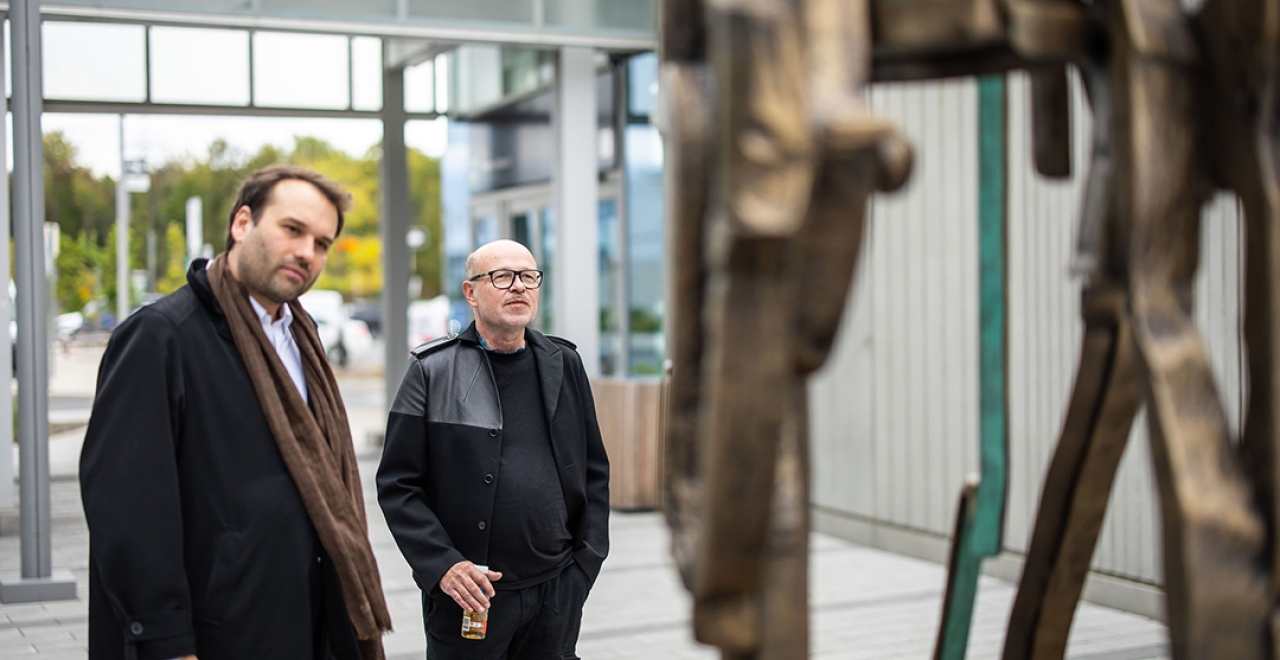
524 69
455 210
501 11
486 230
645 249
420 87
442 82
203 6
546 302
332 9
431 137
630 15
610 272
366 76
642 74
522 232
300 70
478 76
197 65
8 69
74 67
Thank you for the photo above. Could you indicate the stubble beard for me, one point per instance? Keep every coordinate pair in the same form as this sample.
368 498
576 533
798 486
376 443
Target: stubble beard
264 278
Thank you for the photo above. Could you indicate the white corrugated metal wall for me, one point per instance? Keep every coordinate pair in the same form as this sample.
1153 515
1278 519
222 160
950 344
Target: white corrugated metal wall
895 411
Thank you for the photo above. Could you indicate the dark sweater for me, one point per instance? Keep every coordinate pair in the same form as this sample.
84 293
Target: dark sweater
530 540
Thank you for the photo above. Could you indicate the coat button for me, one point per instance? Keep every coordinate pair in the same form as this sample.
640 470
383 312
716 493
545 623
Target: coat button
481 525
493 433
135 628
488 478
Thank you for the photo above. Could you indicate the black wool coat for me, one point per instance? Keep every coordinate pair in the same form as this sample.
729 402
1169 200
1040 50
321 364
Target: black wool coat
439 469
198 539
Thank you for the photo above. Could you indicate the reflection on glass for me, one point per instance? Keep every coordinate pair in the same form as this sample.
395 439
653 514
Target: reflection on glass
195 65
610 272
73 69
300 70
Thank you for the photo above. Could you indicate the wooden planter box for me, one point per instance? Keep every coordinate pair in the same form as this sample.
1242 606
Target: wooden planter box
630 412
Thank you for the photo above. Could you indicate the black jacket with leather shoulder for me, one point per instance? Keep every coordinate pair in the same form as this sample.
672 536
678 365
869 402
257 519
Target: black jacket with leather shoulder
439 469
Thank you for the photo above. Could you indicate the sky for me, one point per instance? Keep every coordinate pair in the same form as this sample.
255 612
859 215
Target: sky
92 61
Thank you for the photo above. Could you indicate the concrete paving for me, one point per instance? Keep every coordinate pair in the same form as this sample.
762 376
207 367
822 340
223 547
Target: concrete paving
867 604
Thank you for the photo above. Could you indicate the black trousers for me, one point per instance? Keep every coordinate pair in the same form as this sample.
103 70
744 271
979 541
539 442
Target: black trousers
535 623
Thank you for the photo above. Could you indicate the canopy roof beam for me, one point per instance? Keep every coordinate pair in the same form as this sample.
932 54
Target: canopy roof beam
536 34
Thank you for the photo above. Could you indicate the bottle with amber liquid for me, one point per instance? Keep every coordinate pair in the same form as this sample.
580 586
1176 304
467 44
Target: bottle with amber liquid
475 624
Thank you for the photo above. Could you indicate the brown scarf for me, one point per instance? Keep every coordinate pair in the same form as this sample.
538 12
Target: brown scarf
315 442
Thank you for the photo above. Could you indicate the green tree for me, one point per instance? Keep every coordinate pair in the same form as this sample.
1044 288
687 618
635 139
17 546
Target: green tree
174 274
80 265
83 206
74 197
424 184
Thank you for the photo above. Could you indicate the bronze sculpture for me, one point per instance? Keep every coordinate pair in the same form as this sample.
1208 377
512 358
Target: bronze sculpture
771 158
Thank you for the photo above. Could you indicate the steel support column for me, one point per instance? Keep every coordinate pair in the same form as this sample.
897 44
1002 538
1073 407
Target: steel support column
6 313
396 209
122 235
576 280
37 580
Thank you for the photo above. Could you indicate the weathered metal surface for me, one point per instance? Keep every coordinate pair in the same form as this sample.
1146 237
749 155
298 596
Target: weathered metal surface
1078 484
772 159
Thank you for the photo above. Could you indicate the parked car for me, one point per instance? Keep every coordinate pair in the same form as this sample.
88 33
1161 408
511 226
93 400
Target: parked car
341 335
67 325
369 311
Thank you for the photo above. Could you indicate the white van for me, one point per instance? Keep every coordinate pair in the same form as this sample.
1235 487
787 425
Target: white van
428 319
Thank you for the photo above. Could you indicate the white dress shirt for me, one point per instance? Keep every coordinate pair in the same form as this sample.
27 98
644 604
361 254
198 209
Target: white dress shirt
281 337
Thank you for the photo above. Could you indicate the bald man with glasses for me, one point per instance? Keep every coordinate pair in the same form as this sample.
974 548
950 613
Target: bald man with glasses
493 459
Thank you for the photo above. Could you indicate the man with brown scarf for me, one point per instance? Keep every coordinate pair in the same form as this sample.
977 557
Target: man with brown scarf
226 520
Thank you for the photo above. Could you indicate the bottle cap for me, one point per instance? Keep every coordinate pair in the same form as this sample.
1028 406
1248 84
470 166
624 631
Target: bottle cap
483 569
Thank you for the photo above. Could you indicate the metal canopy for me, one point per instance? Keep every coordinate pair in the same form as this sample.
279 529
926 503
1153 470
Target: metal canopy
612 25
412 31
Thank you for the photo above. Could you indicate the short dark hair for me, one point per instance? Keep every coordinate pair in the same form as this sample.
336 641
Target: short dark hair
255 193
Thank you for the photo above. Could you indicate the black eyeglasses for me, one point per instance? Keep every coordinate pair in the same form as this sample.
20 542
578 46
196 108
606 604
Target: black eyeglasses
504 278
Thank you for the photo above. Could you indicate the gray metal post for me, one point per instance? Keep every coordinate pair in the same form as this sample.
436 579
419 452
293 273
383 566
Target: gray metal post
395 226
7 500
122 235
576 280
37 580
195 228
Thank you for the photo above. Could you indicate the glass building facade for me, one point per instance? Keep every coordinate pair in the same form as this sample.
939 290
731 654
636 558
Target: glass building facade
497 184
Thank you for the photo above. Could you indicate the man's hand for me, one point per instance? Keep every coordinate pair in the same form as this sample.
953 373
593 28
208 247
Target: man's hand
468 586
